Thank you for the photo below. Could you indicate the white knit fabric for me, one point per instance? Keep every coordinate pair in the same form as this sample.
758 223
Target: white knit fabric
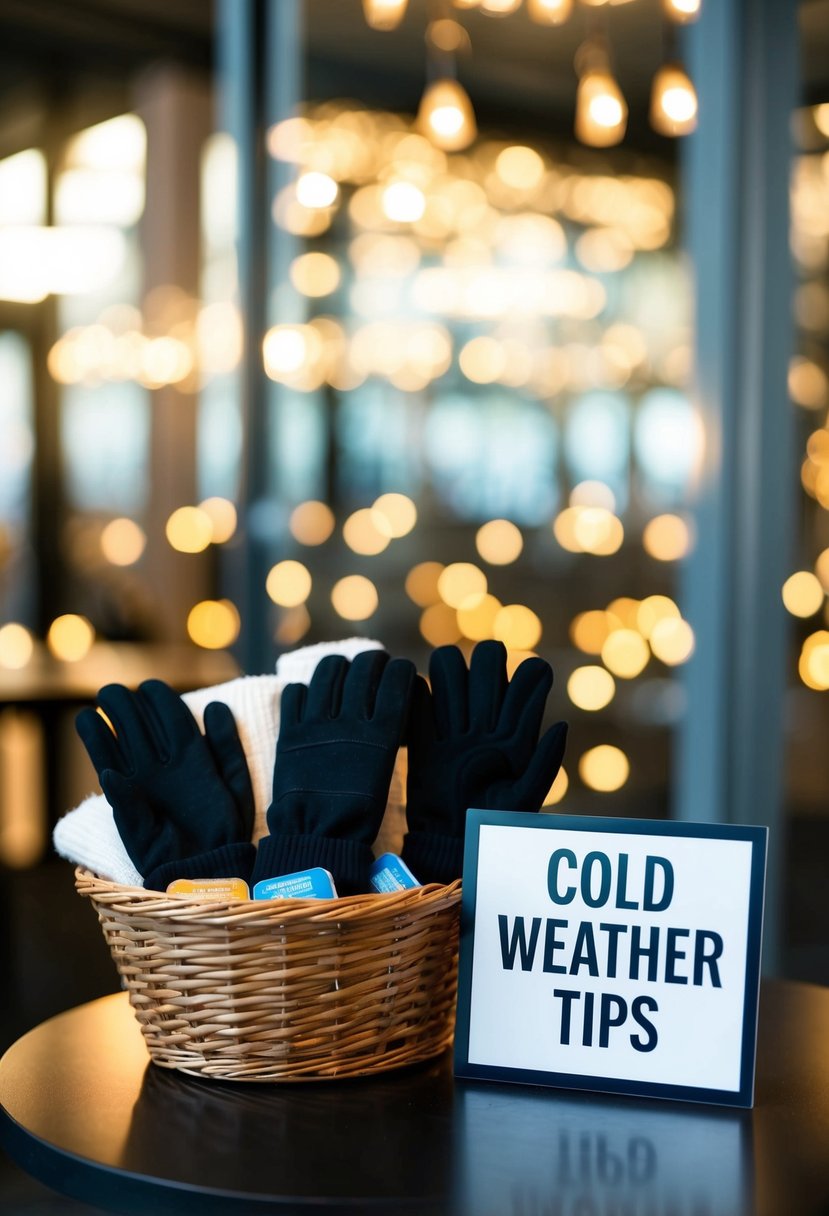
88 836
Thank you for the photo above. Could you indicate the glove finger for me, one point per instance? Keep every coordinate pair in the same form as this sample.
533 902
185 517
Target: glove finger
450 678
134 817
487 684
128 717
325 688
394 697
226 748
169 718
533 786
523 710
421 729
361 683
99 740
291 705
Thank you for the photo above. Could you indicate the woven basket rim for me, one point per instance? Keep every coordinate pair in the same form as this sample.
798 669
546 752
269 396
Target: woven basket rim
364 908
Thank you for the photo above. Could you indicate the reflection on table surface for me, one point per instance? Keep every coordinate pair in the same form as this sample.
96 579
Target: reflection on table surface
419 1140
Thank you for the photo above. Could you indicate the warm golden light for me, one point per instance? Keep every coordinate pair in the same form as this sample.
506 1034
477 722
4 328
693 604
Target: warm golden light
673 101
315 274
222 515
293 625
483 359
394 515
311 522
499 8
520 167
384 14
518 627
499 542
354 597
70 637
667 538
682 11
549 12
361 534
591 688
821 116
598 531
476 617
652 610
122 542
808 384
625 653
672 641
558 789
288 583
593 494
189 530
604 768
803 593
287 348
601 110
316 191
422 583
446 116
16 646
822 569
439 625
213 624
460 580
403 202
813 666
589 631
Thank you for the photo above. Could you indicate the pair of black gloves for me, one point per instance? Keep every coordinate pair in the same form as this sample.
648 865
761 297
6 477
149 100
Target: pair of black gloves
183 801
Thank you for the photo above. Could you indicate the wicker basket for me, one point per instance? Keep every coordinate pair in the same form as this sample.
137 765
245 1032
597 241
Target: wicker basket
285 990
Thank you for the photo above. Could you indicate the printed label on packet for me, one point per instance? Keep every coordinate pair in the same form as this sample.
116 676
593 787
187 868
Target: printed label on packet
389 873
315 883
210 888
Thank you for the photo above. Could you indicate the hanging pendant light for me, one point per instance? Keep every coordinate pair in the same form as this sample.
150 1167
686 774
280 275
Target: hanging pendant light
601 110
673 101
549 12
446 116
499 8
682 11
384 14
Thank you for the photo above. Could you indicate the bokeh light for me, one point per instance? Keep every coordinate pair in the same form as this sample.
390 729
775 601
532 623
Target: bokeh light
439 625
70 637
311 522
672 641
394 515
667 538
651 610
558 789
803 593
476 617
222 515
354 597
213 624
122 542
288 583
361 534
189 530
591 688
518 627
499 542
589 630
422 583
604 768
625 653
16 646
459 581
315 274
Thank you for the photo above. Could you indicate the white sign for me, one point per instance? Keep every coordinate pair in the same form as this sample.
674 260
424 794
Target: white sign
607 954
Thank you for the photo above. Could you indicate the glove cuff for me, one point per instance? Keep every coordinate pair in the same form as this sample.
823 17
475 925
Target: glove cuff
347 861
433 858
228 861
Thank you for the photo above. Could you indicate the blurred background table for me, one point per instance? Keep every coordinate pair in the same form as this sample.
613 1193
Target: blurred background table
85 1112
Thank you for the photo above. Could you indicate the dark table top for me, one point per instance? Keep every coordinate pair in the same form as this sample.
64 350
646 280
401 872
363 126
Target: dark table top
85 1112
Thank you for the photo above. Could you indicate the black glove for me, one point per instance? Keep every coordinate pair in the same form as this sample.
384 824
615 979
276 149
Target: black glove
182 801
473 742
338 739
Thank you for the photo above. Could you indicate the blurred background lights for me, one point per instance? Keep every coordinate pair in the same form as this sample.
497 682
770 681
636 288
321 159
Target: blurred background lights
361 534
16 646
293 625
518 627
591 688
288 583
667 538
477 616
354 597
601 110
222 515
70 637
520 167
623 613
189 530
122 542
625 653
803 593
315 274
589 631
403 202
213 624
459 581
808 384
813 665
682 10
549 12
384 14
558 789
651 610
483 359
446 116
673 108
311 522
439 625
499 542
316 190
672 641
394 515
593 494
604 768
422 583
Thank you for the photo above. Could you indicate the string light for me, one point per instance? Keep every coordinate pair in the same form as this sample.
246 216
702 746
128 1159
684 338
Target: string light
601 110
673 101
384 14
549 12
446 115
682 11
